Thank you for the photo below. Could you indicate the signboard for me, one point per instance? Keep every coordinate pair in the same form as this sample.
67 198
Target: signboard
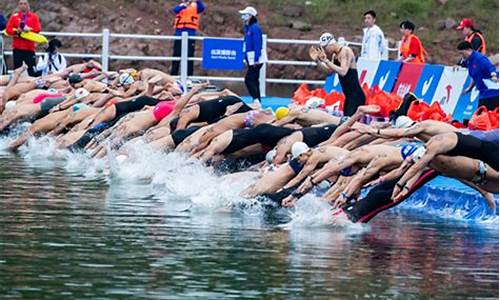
428 82
223 54
408 79
386 75
332 83
467 103
366 70
450 87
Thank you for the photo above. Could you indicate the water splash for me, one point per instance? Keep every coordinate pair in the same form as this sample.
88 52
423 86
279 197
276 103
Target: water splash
175 178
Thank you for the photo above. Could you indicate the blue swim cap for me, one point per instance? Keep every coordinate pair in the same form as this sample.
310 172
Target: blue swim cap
346 172
180 85
78 106
408 149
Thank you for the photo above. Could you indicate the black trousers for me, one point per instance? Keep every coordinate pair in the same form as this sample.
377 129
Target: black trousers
490 103
252 81
177 53
28 57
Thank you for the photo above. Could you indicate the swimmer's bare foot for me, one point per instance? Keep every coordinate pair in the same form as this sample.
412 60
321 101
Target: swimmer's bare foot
367 109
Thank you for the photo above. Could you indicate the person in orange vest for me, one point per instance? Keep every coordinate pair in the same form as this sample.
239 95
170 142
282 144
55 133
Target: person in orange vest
23 50
187 19
411 48
473 36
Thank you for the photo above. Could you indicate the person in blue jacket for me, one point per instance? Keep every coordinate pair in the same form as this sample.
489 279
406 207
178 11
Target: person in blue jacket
252 48
483 73
3 22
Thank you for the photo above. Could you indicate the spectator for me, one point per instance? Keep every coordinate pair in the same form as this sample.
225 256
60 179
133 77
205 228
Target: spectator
483 73
187 19
3 67
252 47
3 22
472 35
23 50
373 46
52 61
412 50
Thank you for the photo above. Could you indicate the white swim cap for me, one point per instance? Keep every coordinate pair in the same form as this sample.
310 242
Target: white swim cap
81 93
270 156
10 105
403 122
417 155
52 90
314 102
126 79
299 148
326 39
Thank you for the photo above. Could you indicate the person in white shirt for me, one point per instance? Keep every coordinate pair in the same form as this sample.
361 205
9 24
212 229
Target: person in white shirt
52 61
374 46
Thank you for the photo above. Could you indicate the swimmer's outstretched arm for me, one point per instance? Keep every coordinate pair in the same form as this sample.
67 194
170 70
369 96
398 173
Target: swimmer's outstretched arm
393 132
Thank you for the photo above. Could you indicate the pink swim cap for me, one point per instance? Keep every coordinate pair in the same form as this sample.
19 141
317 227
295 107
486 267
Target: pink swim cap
163 109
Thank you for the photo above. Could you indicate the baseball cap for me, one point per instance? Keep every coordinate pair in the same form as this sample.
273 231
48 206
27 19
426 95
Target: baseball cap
465 23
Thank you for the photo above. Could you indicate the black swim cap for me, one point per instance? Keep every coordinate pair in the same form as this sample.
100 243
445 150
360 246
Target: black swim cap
75 78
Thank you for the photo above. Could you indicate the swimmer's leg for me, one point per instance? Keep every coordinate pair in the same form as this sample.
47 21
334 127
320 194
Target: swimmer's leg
217 146
188 115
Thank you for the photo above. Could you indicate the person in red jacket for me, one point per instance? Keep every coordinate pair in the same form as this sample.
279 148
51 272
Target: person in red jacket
23 50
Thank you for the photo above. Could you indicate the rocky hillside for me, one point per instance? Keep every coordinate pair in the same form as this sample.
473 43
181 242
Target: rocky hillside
436 20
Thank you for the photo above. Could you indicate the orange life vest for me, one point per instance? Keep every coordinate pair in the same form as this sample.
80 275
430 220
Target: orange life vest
188 18
470 37
405 49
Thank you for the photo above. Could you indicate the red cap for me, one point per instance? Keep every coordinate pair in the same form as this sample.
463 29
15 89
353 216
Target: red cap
465 23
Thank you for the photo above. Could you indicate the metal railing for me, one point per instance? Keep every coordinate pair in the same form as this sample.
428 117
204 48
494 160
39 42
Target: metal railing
105 55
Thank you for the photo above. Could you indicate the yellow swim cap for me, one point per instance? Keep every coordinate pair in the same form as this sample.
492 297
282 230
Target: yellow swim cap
281 112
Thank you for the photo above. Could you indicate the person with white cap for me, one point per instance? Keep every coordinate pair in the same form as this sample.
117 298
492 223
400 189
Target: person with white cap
332 57
254 54
272 182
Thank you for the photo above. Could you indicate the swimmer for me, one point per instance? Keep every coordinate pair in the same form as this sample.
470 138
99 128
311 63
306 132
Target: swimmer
312 136
210 111
233 141
242 120
478 158
333 57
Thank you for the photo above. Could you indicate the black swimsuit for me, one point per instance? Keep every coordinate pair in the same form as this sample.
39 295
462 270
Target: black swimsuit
265 134
470 146
379 199
126 107
354 95
313 136
212 110
179 136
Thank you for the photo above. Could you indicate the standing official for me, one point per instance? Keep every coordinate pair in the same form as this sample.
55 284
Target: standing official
483 73
373 46
254 56
23 50
187 19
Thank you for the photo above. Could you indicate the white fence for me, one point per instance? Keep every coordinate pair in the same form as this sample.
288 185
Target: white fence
105 56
